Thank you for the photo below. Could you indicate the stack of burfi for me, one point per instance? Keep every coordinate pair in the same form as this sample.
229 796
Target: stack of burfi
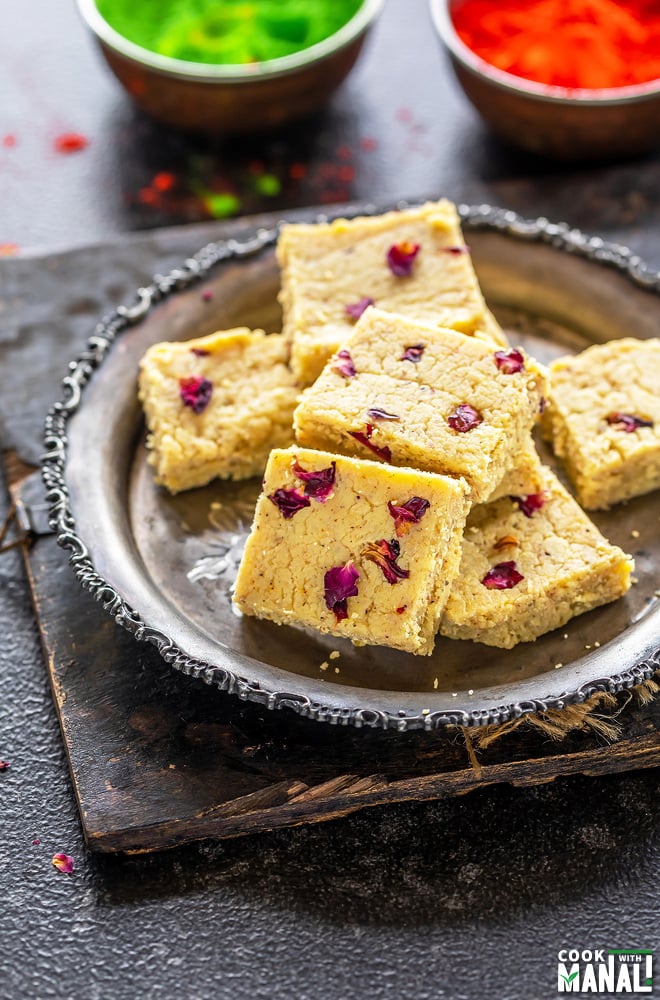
413 500
414 263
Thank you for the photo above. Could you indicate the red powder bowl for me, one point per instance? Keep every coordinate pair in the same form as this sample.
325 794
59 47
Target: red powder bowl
567 123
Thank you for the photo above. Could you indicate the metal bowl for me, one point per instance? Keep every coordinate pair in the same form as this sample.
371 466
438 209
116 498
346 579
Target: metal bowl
554 121
222 98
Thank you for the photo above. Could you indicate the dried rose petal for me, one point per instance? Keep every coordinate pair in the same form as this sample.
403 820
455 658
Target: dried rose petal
455 250
63 863
408 513
385 555
289 502
532 502
4 765
413 353
401 257
464 418
400 610
340 583
355 309
318 485
377 414
627 422
195 392
505 542
343 364
201 352
207 295
502 576
36 842
509 362
364 438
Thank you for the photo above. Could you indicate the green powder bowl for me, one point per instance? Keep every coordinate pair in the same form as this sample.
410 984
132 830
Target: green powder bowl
260 94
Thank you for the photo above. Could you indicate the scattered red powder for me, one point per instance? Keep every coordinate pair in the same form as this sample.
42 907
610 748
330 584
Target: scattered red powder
297 171
346 174
9 141
70 142
369 145
9 249
147 196
163 181
565 43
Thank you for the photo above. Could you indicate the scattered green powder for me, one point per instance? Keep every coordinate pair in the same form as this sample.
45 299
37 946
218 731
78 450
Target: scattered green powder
227 31
221 206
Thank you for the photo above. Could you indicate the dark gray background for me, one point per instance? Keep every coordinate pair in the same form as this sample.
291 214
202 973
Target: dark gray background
462 899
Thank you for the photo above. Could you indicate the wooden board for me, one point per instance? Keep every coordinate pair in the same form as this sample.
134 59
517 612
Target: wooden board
158 759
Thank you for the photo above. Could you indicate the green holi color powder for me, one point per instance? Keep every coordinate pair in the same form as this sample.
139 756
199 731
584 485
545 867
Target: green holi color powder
268 185
221 206
229 32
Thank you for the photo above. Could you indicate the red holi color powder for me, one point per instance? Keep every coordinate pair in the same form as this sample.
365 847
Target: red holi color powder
565 43
70 142
164 181
8 249
9 141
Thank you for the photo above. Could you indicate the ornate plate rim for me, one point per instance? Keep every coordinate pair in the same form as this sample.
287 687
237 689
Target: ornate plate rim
194 269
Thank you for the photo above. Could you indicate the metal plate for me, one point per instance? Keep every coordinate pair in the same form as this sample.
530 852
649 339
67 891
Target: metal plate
164 566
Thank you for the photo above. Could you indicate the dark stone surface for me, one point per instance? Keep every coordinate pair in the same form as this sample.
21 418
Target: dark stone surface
463 899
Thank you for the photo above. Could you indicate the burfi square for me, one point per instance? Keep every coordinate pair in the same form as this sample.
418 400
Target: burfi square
329 270
424 397
526 572
215 406
603 419
525 478
353 548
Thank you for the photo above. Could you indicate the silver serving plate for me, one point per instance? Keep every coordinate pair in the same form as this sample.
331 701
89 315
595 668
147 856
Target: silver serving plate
163 566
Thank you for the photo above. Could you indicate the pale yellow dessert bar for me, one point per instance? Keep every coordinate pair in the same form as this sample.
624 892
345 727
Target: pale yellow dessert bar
524 478
424 397
524 574
603 418
328 270
353 548
215 406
